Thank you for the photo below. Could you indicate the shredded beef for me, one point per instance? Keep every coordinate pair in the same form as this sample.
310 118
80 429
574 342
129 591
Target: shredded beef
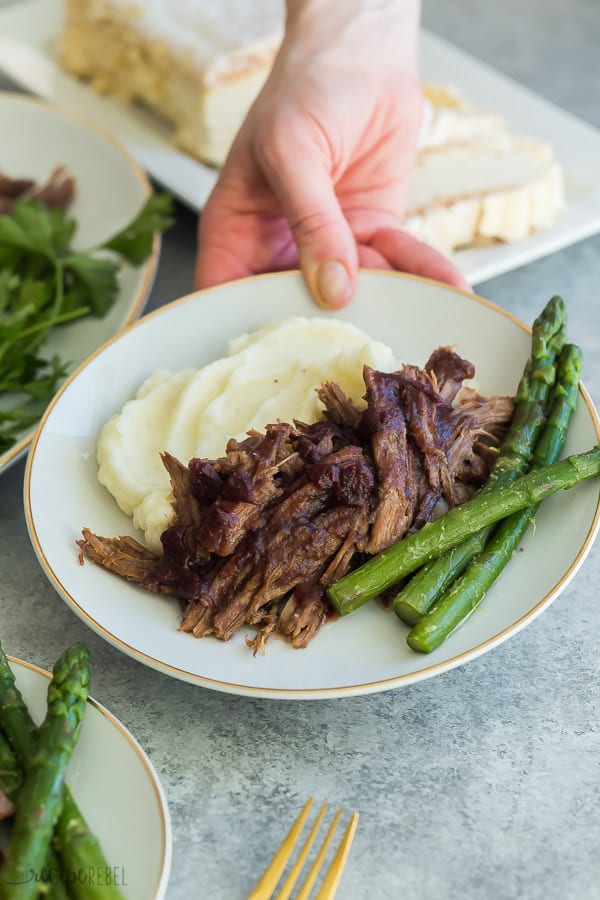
448 370
303 613
384 422
59 190
338 407
122 555
10 188
258 534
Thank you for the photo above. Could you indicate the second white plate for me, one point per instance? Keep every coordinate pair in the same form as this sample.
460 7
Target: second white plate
118 792
365 651
110 189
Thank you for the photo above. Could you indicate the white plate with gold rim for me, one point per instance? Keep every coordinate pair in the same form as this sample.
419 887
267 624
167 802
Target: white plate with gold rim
117 791
365 651
111 188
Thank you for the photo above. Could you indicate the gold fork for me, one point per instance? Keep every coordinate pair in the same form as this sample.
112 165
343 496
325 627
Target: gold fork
265 888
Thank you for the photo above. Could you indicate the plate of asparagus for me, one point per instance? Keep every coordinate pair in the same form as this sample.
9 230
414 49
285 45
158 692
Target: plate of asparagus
440 610
82 813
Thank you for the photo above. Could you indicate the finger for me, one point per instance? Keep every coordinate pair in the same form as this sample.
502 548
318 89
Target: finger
407 254
219 258
371 259
326 246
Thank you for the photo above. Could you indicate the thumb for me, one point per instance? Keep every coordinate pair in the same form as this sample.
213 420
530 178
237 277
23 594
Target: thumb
326 246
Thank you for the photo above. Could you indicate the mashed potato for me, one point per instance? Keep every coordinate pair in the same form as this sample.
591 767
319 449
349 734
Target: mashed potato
268 376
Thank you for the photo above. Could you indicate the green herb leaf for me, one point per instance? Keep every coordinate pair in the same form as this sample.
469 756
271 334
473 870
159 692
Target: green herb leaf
91 281
33 228
63 228
134 242
14 421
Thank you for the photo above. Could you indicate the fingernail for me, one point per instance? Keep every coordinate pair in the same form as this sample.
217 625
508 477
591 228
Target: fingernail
334 285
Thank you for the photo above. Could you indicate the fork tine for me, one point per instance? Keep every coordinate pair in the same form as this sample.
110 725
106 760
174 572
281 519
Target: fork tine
314 869
335 871
266 885
292 878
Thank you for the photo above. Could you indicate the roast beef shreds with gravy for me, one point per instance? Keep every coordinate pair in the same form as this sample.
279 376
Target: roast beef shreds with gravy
122 555
281 555
241 486
187 513
307 607
59 190
293 558
258 534
449 371
421 401
11 188
477 423
303 613
338 407
315 441
384 424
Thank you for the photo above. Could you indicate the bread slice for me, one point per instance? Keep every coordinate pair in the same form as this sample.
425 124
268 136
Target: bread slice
500 189
198 64
452 119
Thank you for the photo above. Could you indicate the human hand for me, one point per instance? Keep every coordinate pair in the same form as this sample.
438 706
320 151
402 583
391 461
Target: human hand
318 174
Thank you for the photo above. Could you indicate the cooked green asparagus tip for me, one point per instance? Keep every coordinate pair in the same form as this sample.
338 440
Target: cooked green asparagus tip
549 328
69 685
548 332
40 798
548 336
468 591
395 563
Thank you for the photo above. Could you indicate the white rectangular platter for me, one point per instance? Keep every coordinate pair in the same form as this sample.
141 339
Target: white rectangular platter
28 30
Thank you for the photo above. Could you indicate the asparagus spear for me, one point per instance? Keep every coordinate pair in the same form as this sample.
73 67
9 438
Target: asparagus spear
15 721
548 337
514 455
77 847
11 778
468 590
399 560
40 799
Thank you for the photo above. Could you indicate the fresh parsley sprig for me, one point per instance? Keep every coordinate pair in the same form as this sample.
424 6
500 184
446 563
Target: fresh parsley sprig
45 284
